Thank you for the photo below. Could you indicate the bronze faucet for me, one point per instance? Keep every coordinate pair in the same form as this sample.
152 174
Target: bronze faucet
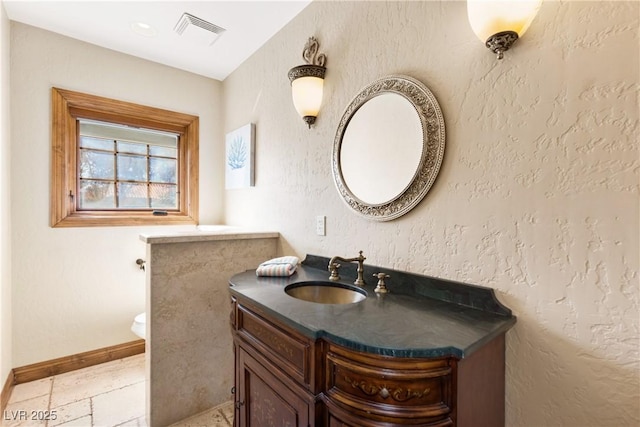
334 266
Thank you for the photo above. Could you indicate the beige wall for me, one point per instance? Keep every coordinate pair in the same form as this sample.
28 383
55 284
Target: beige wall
78 289
5 203
537 196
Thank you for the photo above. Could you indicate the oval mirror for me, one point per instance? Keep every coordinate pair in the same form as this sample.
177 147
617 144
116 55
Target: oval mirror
388 148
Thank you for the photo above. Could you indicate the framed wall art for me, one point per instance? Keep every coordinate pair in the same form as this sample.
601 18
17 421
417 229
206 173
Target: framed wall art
239 157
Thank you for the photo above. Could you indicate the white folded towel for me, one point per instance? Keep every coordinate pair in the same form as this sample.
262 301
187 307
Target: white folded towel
283 266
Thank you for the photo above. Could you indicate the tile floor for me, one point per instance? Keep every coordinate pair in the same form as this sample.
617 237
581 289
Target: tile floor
107 395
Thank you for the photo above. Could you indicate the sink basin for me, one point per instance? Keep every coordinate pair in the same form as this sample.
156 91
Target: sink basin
326 292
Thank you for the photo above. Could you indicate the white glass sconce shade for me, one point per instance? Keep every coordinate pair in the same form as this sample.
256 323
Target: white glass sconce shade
500 23
307 95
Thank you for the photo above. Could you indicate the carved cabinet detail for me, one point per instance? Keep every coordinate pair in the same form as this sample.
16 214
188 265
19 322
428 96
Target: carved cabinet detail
381 388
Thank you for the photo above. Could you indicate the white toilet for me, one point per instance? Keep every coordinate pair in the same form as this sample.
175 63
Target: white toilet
139 326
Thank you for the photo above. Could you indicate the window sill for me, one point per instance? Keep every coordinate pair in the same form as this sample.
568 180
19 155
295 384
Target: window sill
111 219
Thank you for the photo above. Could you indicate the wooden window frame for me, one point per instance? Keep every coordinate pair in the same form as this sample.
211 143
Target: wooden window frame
67 108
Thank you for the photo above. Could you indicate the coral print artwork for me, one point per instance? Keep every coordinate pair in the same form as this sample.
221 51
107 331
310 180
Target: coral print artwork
239 157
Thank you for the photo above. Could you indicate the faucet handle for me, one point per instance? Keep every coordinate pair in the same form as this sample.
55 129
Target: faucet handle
381 288
333 268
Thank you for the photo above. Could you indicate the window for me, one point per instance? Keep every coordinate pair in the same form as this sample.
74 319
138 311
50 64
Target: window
126 168
117 163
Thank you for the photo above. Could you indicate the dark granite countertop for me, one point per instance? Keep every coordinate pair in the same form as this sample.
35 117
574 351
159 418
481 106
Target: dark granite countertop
422 316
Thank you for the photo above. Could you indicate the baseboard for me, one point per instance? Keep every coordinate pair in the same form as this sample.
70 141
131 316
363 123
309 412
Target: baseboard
61 365
6 391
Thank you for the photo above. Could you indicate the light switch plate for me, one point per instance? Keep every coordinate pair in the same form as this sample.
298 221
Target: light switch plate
321 225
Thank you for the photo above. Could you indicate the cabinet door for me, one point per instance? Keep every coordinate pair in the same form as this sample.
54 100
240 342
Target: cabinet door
264 401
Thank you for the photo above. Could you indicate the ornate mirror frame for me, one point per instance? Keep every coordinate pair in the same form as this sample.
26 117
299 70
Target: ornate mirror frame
433 132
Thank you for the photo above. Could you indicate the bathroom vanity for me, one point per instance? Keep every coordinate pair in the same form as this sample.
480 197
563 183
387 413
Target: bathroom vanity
431 352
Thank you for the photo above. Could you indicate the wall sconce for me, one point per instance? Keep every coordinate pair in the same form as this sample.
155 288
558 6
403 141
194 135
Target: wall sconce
500 23
307 82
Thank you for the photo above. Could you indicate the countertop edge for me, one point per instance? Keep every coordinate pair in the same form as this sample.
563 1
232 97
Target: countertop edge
206 236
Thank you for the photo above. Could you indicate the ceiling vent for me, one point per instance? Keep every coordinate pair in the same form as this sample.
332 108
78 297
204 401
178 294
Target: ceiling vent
198 30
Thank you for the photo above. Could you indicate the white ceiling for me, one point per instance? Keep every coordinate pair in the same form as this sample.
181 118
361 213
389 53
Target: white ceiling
107 23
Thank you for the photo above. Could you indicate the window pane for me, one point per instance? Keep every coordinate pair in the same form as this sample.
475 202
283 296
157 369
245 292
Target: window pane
162 170
97 143
96 164
156 150
132 195
96 195
131 147
163 196
115 131
132 168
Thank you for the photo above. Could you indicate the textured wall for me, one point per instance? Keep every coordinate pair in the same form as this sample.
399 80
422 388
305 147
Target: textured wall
5 204
537 196
78 289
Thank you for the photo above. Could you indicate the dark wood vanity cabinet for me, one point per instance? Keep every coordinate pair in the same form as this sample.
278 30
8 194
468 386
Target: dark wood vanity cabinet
286 379
276 373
